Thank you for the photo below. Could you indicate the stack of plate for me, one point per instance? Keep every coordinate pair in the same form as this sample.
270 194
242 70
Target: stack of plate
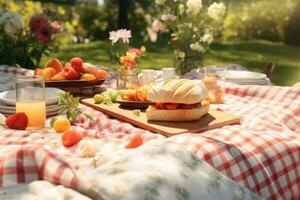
8 102
246 78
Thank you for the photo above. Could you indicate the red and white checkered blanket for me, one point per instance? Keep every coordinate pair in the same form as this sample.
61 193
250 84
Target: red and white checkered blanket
262 153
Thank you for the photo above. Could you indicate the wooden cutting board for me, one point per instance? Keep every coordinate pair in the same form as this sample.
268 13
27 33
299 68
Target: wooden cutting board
214 119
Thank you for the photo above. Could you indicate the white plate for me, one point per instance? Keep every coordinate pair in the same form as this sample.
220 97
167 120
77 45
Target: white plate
264 82
243 75
9 97
48 113
250 81
5 77
13 107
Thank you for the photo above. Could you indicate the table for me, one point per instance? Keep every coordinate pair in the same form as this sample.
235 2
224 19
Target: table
261 154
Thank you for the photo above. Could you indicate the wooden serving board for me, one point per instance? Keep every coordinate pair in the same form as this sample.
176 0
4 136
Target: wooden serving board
214 119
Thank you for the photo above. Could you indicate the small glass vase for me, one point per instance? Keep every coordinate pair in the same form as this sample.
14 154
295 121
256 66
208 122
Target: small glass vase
192 60
126 77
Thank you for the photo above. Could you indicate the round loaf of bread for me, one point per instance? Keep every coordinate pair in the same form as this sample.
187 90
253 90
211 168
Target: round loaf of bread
179 115
178 91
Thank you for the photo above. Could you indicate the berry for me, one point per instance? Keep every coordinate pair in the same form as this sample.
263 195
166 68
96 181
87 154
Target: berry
17 121
70 138
135 142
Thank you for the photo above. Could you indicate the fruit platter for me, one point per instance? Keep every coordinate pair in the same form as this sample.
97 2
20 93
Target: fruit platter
134 97
74 73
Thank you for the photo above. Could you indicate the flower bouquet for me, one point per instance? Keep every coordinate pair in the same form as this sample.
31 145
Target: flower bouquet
192 24
125 56
25 45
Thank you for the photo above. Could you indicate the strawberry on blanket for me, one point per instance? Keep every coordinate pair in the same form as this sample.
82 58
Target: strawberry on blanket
18 121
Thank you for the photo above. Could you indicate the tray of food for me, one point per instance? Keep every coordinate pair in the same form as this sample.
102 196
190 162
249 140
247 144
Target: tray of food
178 106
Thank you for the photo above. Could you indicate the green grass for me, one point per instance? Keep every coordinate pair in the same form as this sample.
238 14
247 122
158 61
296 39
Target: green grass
252 54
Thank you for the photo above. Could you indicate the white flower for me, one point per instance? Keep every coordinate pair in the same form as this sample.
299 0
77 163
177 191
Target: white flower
181 9
166 17
16 21
9 29
207 38
160 2
123 34
216 10
197 47
88 148
194 6
181 54
11 23
158 26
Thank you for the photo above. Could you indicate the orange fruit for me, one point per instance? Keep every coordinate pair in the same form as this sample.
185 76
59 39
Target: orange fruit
38 72
98 73
58 77
101 74
88 77
55 64
61 125
48 73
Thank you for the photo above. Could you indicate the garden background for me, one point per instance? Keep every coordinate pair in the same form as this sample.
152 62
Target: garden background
253 32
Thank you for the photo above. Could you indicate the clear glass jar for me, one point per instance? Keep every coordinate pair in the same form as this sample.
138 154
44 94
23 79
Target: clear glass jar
213 78
126 77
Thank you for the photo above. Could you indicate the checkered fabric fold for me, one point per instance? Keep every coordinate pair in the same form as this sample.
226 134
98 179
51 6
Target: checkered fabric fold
262 153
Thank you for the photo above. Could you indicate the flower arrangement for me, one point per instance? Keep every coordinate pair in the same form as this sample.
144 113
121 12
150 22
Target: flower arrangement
121 52
25 45
127 57
192 24
132 56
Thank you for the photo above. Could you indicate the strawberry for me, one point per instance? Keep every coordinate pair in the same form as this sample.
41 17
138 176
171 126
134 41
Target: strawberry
17 121
70 138
71 74
135 142
77 64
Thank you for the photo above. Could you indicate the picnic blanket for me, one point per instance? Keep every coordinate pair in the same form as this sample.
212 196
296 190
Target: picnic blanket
261 154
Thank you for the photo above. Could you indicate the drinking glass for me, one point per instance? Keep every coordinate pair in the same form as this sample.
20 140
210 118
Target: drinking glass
147 76
168 73
215 72
212 77
30 93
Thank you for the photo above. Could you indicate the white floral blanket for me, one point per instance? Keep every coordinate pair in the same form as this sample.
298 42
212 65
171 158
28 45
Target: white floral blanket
157 170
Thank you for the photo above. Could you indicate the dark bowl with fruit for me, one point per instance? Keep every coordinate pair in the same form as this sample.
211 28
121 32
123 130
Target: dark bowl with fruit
74 74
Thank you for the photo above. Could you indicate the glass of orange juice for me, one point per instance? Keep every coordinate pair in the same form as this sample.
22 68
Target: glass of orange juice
30 93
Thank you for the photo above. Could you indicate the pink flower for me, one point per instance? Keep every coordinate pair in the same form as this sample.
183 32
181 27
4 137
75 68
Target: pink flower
167 17
36 21
43 34
135 51
129 63
158 26
55 26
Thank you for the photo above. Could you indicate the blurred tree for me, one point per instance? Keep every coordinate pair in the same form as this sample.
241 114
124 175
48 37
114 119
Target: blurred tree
292 32
123 13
